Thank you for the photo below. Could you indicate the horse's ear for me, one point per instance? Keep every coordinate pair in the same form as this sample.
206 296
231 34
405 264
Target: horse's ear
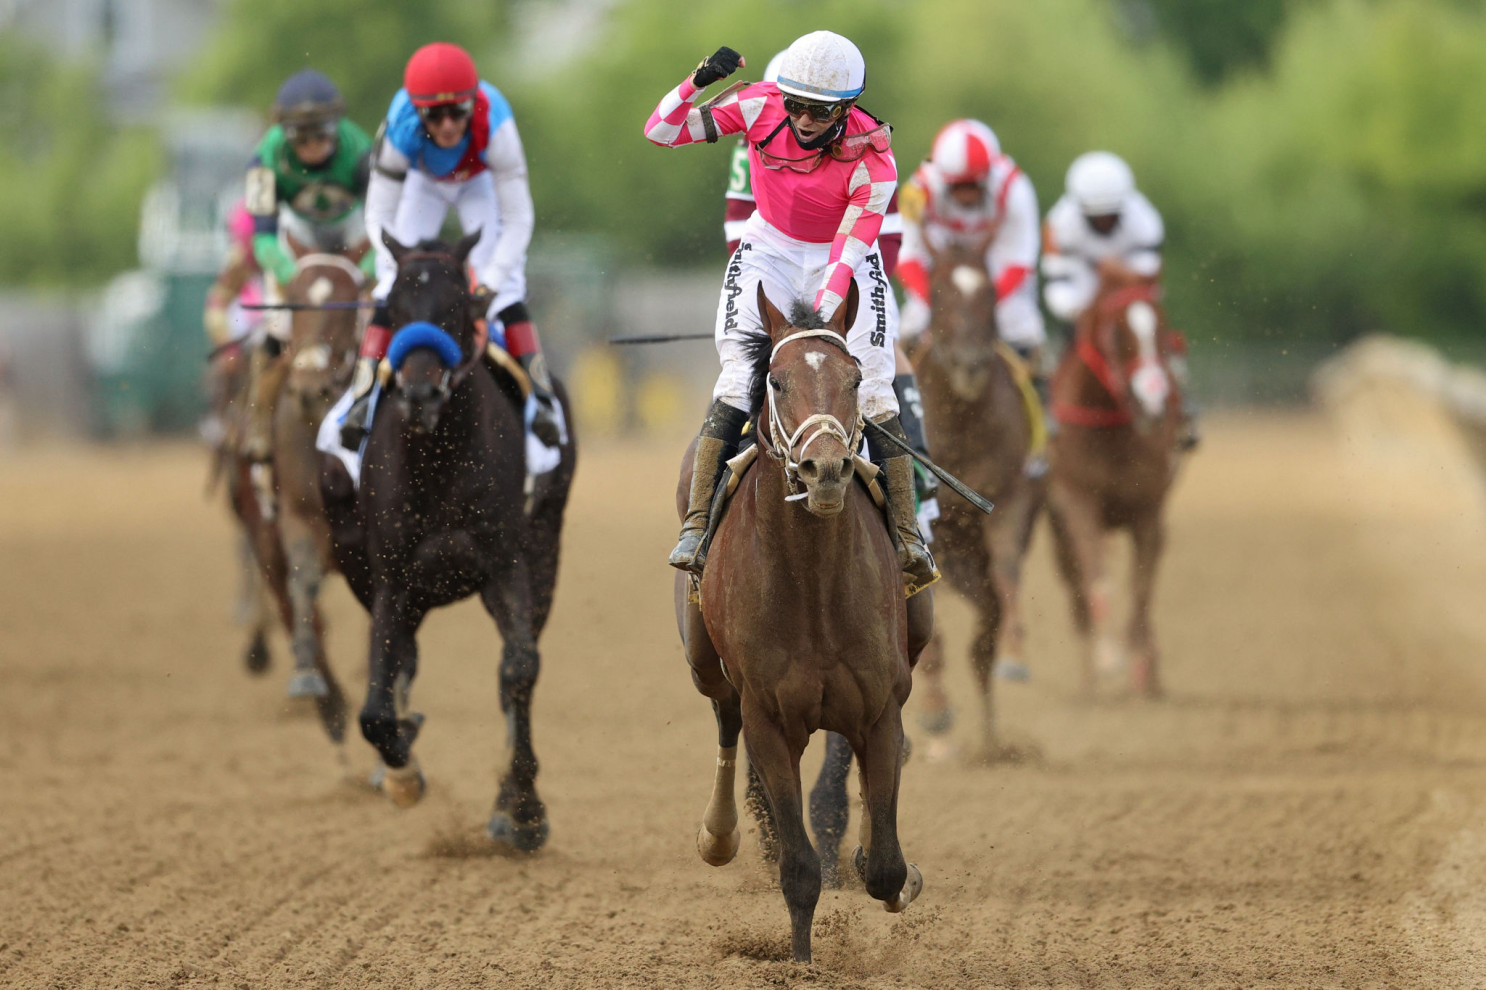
774 320
846 313
397 248
467 244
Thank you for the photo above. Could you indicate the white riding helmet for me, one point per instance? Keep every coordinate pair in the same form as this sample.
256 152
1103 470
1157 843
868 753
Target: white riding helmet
824 67
1100 182
771 72
963 151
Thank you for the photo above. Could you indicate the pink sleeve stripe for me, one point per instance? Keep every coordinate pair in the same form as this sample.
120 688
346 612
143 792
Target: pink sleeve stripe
667 124
859 228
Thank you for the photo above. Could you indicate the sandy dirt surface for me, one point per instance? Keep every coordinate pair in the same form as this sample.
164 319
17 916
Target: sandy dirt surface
1308 809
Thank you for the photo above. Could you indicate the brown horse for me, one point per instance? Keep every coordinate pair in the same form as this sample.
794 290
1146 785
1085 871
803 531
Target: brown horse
976 405
1113 462
802 623
319 360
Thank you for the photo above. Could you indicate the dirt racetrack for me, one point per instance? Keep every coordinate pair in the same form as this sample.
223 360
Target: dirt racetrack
1308 809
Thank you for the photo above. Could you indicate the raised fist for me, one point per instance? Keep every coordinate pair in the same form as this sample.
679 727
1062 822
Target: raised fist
714 67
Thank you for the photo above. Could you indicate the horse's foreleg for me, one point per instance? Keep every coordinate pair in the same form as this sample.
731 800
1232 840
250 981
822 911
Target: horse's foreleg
830 808
777 759
1149 536
718 839
253 607
1083 539
519 819
394 649
305 575
879 859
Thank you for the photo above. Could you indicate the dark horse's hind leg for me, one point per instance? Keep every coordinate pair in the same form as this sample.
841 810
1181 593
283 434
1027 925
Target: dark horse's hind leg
394 657
519 819
830 808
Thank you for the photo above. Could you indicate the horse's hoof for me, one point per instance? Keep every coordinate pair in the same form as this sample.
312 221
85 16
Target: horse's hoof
913 885
941 749
527 838
257 659
1011 670
937 723
404 785
718 850
308 684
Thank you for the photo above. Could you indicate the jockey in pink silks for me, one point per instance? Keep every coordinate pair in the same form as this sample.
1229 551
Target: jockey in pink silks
823 174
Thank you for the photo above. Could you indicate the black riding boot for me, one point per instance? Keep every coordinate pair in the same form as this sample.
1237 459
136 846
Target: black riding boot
544 420
716 443
913 555
911 416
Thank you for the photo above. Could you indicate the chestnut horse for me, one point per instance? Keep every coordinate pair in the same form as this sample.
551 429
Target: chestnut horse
320 358
976 407
1112 466
802 623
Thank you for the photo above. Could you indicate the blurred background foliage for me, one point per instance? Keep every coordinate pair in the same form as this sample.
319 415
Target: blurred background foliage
70 179
1320 163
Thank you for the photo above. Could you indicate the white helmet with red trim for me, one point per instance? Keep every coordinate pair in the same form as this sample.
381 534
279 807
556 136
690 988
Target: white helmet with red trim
1100 182
963 151
822 67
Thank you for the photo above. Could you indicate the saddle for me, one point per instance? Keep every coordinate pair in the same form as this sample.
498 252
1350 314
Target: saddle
732 474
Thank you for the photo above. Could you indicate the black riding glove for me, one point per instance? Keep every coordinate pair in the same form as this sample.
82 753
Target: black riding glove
715 67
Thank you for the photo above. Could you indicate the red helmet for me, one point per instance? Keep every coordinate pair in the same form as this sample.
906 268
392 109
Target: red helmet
963 151
440 73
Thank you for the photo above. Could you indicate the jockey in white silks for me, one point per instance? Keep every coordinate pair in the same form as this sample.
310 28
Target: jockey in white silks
1104 225
822 175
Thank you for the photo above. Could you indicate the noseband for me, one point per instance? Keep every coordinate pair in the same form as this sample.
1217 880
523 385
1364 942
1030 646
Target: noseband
454 372
825 424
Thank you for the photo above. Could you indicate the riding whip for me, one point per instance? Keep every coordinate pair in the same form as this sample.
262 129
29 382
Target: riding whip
659 338
960 488
354 304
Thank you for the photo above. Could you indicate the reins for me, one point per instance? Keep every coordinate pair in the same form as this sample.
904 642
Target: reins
825 424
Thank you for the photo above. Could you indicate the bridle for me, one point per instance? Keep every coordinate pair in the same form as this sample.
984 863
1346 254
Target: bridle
452 377
825 424
1087 347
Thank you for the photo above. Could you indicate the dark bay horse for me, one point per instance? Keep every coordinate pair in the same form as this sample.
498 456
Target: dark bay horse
802 624
976 404
441 514
320 357
1112 465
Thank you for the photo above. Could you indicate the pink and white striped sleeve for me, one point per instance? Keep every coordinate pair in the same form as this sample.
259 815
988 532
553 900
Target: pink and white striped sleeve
870 189
676 121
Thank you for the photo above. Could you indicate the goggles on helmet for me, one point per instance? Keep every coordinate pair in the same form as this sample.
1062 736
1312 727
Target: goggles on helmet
304 131
794 106
453 111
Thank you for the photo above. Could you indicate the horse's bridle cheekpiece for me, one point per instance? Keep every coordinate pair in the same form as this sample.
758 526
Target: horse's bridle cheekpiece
825 423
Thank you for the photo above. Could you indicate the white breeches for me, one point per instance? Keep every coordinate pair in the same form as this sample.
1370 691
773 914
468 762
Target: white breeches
792 270
421 210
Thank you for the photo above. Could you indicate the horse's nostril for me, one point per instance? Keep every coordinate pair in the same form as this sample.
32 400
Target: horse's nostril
809 470
846 466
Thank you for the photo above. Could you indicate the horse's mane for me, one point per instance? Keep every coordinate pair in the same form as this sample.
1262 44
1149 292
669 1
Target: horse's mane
758 348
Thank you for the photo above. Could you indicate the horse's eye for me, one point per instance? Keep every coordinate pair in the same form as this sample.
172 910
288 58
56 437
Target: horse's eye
856 384
776 384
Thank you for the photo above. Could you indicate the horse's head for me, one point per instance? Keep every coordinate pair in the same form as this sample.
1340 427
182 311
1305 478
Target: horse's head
963 327
806 392
432 297
322 342
1125 328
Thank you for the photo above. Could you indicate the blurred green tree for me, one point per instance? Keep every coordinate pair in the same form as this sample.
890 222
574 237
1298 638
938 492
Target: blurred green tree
70 179
360 44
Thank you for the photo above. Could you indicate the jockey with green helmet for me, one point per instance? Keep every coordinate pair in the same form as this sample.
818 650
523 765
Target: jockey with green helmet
305 187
